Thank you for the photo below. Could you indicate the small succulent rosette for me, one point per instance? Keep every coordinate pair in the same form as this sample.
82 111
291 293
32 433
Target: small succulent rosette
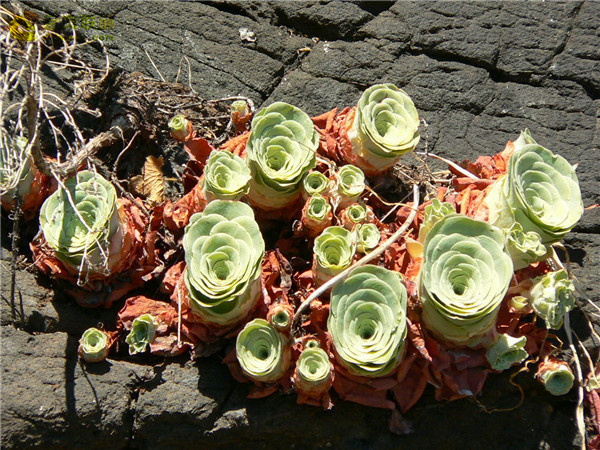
94 345
349 182
333 251
355 214
556 376
226 177
264 356
315 183
181 128
313 374
317 215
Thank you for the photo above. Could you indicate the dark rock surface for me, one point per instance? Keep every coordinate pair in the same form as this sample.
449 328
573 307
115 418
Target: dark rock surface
478 72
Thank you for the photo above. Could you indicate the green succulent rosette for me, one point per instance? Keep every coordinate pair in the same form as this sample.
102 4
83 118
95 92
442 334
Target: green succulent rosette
143 330
385 127
262 351
435 211
367 321
226 176
93 345
506 352
81 244
350 184
540 191
181 128
524 248
223 253
313 370
552 297
240 107
281 149
314 183
333 251
464 276
318 208
355 214
556 376
367 237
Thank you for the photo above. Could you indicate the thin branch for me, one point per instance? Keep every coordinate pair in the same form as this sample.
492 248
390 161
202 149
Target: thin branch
365 259
465 172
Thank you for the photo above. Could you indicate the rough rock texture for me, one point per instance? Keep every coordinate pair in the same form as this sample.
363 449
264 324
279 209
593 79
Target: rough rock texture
478 72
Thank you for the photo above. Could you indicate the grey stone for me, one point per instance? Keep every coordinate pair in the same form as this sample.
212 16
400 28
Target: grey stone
49 400
43 310
184 400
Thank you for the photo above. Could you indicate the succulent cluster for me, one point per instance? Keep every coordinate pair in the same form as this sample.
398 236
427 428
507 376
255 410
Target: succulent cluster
449 284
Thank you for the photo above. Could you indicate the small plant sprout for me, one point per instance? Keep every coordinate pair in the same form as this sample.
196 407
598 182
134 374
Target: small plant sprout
334 251
181 128
143 330
552 297
506 352
93 345
226 177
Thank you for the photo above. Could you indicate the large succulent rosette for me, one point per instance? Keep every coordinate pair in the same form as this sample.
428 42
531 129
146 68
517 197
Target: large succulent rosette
281 149
385 127
223 253
540 191
81 224
465 274
367 321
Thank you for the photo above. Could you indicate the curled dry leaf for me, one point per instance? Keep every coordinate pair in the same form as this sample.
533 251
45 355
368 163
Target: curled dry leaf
151 183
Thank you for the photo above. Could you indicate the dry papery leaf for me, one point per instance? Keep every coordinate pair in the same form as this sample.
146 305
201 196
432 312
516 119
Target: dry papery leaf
151 183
